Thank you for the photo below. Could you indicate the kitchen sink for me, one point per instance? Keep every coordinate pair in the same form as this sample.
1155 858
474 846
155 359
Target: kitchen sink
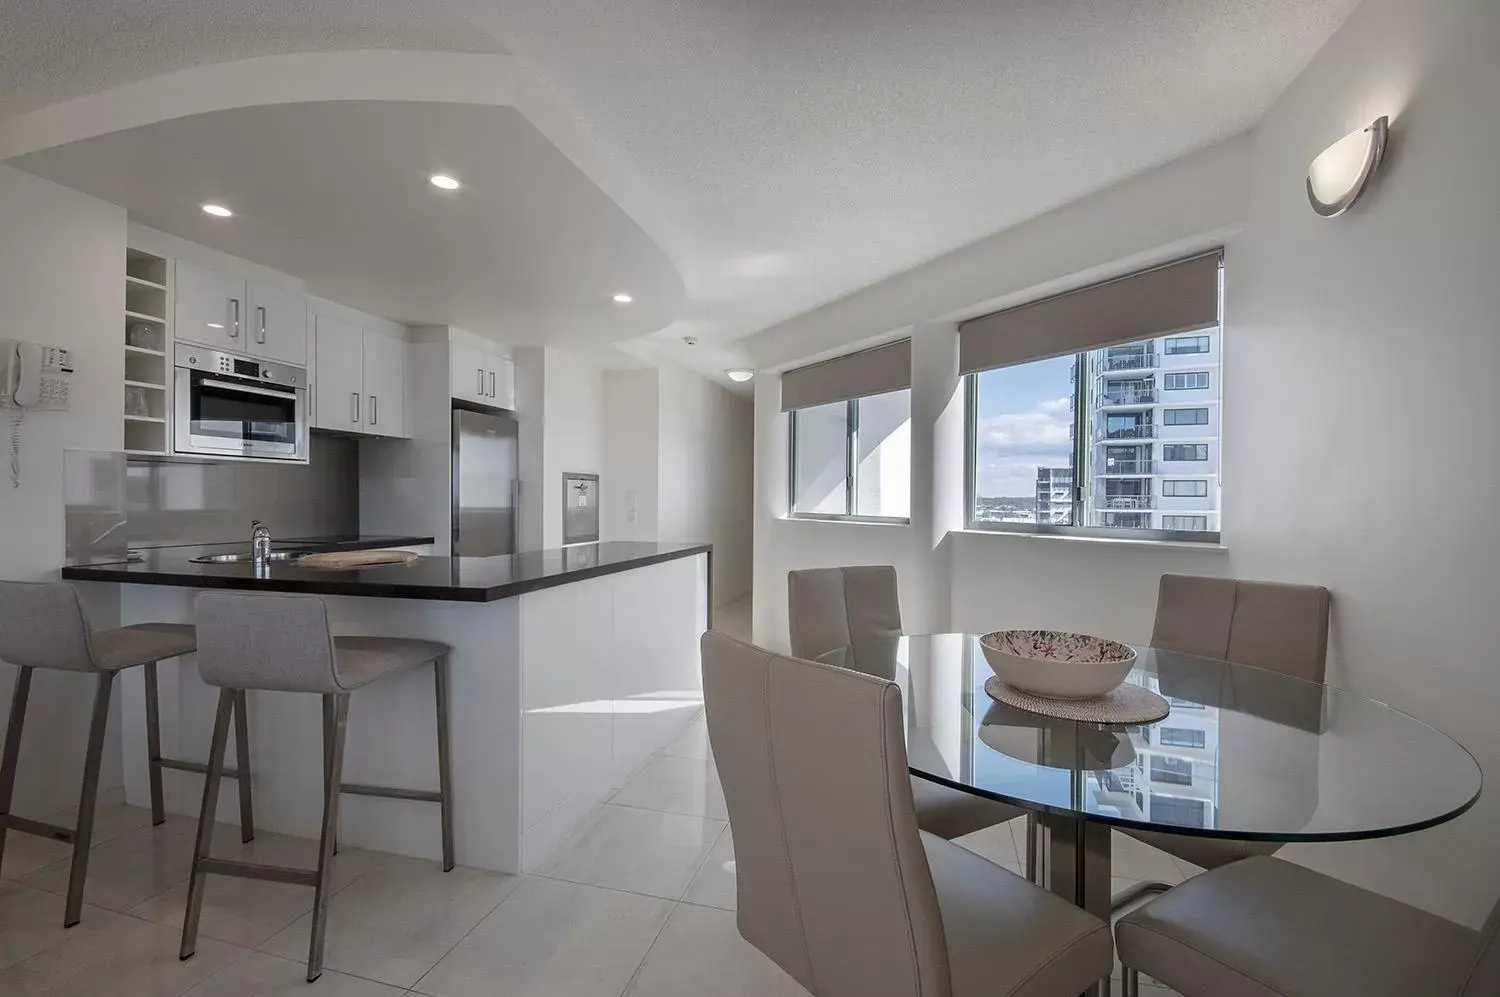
275 555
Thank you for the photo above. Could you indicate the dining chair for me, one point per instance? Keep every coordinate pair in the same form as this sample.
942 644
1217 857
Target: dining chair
1271 625
835 881
830 608
1267 928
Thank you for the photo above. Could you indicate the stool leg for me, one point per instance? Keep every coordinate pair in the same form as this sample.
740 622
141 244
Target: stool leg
153 744
242 754
12 756
340 707
88 797
205 837
328 716
445 760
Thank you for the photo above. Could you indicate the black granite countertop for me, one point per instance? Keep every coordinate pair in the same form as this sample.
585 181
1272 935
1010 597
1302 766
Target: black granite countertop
342 541
448 579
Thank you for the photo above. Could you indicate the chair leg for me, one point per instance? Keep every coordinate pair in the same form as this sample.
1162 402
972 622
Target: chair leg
153 745
1033 834
445 763
11 757
328 724
340 709
206 812
87 798
242 757
1131 984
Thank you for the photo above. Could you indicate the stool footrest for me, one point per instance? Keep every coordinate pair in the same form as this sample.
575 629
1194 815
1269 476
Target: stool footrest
183 765
252 870
37 827
391 792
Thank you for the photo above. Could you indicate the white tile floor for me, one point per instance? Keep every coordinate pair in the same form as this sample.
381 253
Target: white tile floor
638 902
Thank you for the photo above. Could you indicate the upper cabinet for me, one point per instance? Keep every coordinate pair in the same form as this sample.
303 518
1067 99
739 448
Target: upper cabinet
225 312
481 376
359 380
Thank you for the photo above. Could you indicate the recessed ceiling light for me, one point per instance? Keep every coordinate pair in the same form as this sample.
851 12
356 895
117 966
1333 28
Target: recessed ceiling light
217 210
740 374
443 181
623 299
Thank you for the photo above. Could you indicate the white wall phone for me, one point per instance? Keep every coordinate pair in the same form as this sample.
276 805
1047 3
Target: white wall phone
32 376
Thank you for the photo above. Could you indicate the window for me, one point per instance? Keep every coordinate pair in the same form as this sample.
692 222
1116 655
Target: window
1186 523
1184 451
1182 737
1178 345
852 459
1023 429
1171 771
1177 811
1184 489
1183 382
1185 417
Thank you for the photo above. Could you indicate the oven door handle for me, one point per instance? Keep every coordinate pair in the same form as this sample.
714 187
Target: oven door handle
246 389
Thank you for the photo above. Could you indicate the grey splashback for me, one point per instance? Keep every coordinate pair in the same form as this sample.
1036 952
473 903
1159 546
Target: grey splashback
170 503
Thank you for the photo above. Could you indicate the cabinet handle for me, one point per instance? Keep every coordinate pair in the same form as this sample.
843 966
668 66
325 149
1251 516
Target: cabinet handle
492 384
261 335
354 405
234 318
374 410
481 382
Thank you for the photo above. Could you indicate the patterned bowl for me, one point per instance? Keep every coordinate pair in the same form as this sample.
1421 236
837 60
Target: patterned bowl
1057 665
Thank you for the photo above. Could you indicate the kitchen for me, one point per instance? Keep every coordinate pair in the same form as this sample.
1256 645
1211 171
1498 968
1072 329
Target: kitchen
206 391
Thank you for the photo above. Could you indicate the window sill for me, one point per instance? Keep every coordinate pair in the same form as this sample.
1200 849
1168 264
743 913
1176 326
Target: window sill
847 520
1202 548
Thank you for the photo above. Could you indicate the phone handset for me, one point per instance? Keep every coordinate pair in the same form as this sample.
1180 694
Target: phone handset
26 386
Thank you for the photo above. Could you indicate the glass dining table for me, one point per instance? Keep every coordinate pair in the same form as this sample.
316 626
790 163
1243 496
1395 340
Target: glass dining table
1245 753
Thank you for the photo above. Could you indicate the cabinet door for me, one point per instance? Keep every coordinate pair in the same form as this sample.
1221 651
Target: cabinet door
211 309
276 325
500 382
338 383
469 376
385 385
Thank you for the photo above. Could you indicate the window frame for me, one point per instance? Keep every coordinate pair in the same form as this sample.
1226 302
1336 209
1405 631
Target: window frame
1198 337
1183 460
1188 515
851 473
1081 476
1167 413
1167 376
1200 489
1200 743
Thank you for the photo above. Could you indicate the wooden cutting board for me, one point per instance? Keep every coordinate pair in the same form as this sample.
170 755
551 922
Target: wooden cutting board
343 559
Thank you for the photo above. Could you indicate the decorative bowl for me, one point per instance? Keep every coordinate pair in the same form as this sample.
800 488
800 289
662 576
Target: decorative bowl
1057 665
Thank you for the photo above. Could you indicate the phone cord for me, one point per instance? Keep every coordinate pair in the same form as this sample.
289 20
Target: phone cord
16 416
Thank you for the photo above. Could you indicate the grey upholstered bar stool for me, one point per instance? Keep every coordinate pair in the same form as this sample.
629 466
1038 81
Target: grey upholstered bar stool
283 643
42 625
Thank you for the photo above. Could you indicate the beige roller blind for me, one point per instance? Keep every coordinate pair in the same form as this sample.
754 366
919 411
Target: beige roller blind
868 372
1178 297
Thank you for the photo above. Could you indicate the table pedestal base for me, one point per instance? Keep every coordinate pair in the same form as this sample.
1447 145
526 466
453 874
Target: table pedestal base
1076 867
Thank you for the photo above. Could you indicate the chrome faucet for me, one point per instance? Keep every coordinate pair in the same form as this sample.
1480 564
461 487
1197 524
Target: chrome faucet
260 543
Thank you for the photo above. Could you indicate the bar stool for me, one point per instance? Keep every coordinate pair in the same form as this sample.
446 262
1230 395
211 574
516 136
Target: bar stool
42 626
283 643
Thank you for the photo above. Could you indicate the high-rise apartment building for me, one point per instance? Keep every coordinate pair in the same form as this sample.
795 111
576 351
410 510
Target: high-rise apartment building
1154 434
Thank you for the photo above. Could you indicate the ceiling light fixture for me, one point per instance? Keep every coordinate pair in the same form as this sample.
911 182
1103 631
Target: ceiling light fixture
443 181
739 374
623 299
1343 170
217 210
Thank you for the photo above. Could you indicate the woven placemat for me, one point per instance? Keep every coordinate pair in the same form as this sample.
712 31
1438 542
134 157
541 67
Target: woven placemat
1126 704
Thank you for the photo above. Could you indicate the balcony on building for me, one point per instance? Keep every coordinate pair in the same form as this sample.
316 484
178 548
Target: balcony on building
1128 358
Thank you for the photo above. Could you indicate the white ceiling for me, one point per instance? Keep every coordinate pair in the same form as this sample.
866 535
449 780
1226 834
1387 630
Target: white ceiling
794 150
336 193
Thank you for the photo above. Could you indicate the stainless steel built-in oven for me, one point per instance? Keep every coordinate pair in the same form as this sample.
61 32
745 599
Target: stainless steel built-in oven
228 405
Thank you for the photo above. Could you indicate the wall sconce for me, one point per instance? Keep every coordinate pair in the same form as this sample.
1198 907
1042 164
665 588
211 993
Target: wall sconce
1342 171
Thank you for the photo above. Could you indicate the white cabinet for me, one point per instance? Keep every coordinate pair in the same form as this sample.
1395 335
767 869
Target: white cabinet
385 385
479 376
225 312
359 382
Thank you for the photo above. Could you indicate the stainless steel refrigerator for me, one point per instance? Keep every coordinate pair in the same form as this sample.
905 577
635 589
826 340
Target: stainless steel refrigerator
485 462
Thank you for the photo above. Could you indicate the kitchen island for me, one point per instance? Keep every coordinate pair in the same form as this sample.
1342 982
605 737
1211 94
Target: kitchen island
569 668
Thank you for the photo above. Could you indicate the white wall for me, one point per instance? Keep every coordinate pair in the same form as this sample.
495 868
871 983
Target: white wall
572 430
629 481
1359 409
62 281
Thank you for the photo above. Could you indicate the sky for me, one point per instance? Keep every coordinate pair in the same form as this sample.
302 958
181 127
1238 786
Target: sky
1023 424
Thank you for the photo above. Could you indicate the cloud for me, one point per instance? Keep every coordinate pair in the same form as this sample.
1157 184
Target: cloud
1013 445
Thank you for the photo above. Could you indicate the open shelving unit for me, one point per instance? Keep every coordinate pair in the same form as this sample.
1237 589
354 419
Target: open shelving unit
147 388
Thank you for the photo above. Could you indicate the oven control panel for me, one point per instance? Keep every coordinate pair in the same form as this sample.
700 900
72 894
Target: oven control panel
234 365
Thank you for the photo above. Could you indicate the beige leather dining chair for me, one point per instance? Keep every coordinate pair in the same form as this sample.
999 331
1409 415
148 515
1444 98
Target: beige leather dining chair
836 883
830 608
1267 928
1280 627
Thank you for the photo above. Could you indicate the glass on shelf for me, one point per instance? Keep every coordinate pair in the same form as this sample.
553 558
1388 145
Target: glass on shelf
144 335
